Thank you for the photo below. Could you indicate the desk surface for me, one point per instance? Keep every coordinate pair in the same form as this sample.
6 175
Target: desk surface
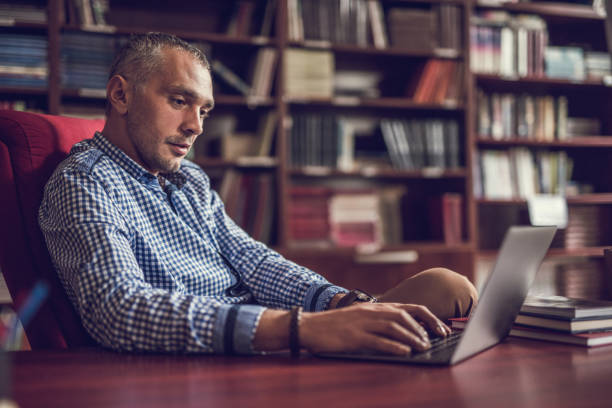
516 373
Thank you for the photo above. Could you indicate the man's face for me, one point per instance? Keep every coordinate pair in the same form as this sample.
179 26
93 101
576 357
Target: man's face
166 113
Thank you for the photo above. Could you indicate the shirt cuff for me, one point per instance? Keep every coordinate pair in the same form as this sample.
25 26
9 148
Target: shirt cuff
319 295
234 328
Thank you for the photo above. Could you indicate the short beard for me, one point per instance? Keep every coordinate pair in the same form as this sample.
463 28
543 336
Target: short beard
149 158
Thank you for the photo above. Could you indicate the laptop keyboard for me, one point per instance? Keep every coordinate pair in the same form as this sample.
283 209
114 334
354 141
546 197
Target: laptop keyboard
438 343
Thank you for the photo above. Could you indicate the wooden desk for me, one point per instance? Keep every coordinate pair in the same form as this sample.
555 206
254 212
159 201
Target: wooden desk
516 373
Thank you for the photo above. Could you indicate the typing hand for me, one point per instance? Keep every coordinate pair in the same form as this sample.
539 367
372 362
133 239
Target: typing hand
390 328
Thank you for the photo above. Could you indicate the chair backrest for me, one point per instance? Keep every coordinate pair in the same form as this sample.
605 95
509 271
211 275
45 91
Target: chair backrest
31 147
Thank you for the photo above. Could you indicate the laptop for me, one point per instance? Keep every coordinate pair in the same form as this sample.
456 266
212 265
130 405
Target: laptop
520 256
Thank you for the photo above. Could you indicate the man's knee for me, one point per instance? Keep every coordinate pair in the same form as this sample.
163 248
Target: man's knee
446 293
452 289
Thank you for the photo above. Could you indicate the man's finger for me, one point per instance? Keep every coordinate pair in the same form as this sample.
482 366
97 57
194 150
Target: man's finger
423 314
396 331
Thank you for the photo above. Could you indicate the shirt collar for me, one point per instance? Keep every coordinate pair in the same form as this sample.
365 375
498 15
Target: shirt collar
131 167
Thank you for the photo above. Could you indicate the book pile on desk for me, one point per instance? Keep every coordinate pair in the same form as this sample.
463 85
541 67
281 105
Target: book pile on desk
582 322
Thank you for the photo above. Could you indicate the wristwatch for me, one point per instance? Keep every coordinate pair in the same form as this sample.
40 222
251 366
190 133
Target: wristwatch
354 296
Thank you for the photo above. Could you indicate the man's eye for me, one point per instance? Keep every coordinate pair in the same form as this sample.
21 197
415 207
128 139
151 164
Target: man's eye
178 101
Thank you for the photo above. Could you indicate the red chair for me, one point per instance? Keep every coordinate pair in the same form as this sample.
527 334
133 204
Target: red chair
31 146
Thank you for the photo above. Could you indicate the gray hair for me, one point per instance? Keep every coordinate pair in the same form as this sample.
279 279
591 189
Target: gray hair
141 56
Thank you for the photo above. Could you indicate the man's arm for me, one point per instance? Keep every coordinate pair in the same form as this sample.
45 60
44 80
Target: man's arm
273 280
279 283
383 327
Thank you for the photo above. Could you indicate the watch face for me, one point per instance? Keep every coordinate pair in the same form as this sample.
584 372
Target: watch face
363 297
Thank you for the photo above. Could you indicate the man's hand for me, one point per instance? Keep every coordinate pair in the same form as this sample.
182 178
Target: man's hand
391 328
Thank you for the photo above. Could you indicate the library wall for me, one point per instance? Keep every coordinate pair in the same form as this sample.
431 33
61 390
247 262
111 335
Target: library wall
367 139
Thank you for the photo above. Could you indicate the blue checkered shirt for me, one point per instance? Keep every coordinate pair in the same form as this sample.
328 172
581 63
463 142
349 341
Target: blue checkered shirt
154 269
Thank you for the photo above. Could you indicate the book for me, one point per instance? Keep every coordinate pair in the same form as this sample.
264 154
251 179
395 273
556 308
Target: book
566 325
581 339
378 26
592 339
308 73
445 218
566 307
230 77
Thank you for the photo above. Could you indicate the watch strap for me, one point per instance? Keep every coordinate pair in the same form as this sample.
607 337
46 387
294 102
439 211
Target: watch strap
355 296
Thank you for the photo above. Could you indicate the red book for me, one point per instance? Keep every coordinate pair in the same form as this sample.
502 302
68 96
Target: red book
446 218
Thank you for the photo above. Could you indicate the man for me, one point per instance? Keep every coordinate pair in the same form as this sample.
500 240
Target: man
152 262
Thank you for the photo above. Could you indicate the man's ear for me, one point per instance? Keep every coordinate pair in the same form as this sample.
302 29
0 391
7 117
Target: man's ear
118 94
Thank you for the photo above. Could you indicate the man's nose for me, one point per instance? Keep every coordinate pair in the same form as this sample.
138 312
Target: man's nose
193 123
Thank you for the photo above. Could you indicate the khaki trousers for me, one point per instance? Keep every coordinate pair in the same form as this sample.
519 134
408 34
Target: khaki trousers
446 293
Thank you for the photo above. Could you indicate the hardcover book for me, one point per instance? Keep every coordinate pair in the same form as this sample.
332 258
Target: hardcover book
566 324
566 307
592 339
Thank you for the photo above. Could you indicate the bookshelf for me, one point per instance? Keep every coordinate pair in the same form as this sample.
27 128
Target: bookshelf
417 90
580 159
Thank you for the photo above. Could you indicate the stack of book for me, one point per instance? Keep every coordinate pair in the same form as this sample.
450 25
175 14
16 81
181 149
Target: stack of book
309 215
358 83
89 14
413 29
314 140
23 60
355 22
355 218
426 29
561 319
521 173
439 81
597 64
509 116
565 63
85 60
507 45
416 144
308 73
30 12
340 217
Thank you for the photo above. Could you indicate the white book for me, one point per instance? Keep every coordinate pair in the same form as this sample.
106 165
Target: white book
377 23
508 58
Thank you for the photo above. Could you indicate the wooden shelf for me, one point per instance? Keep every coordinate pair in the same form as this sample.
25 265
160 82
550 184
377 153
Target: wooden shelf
556 252
22 24
240 100
86 93
595 198
221 99
577 142
420 247
23 91
215 38
538 80
545 9
243 162
392 62
442 53
382 103
377 173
